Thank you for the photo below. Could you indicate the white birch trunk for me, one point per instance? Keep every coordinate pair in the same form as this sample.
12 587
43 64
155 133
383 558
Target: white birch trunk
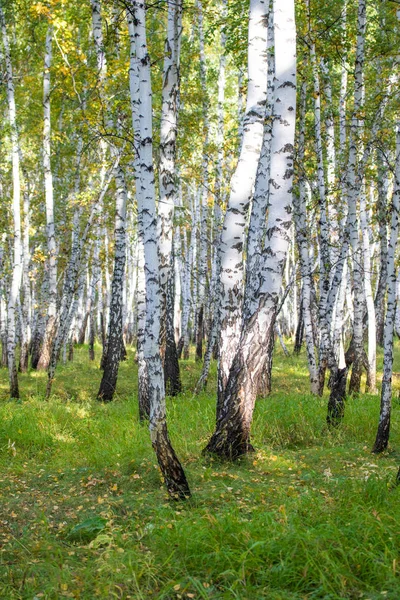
168 188
232 434
17 258
382 436
50 226
302 229
365 229
353 190
170 466
242 182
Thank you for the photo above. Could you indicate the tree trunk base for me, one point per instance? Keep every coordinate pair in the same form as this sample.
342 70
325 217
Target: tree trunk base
337 397
171 468
14 389
229 447
382 436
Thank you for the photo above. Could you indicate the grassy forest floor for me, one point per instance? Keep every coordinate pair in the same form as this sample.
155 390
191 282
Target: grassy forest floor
311 515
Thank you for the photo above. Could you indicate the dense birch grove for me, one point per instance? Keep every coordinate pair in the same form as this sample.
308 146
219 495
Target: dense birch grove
202 179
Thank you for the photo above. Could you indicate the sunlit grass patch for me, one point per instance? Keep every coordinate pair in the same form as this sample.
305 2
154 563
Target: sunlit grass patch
311 514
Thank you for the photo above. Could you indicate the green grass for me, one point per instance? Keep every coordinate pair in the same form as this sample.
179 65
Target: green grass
311 515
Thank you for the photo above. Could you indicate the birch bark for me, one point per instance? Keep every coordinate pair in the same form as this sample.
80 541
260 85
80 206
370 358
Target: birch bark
168 190
26 305
68 309
382 435
232 435
113 350
383 243
302 229
171 468
353 189
50 226
215 291
242 182
16 212
203 196
114 336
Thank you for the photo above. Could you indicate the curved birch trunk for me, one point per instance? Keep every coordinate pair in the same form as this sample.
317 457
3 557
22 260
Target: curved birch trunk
242 183
232 435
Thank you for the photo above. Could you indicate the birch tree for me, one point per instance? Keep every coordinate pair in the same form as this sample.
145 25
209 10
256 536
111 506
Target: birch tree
171 468
44 359
16 212
233 229
168 190
234 415
382 435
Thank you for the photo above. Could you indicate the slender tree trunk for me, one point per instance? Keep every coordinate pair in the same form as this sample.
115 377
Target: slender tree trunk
114 336
50 227
168 191
172 377
203 197
17 258
26 302
69 308
302 229
170 466
365 228
383 184
3 325
354 189
382 435
215 291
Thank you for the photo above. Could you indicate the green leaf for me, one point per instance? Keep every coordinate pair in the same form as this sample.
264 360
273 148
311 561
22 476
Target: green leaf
87 530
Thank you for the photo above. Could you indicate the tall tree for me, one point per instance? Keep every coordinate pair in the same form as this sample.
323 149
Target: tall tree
171 468
44 359
168 190
234 414
382 435
13 298
241 188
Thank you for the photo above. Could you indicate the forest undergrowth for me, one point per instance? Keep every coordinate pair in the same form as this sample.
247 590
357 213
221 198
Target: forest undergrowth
312 514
